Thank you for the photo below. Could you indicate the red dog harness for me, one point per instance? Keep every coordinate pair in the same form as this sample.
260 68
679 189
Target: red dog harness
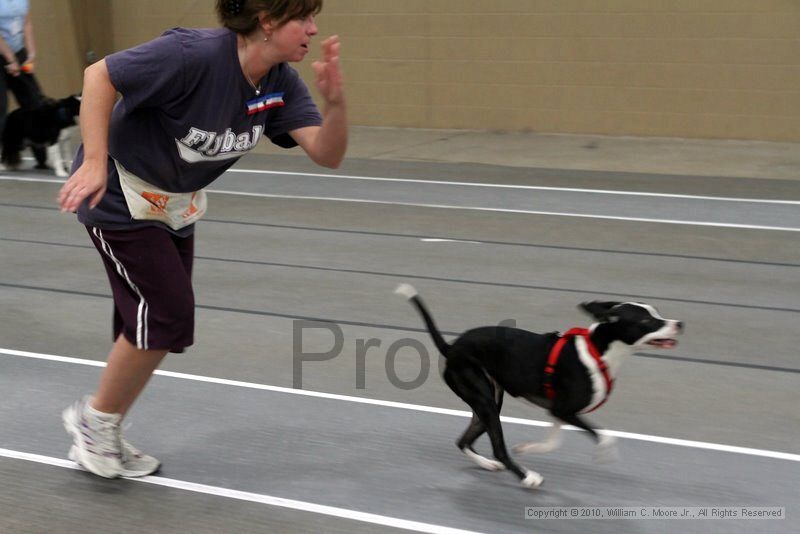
555 353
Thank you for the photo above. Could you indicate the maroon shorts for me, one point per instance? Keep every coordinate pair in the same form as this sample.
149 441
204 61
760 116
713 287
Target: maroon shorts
150 270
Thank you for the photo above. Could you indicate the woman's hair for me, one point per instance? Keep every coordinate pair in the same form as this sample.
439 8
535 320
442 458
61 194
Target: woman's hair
241 16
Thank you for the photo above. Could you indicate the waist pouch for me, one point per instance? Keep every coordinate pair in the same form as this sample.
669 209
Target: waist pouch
146 202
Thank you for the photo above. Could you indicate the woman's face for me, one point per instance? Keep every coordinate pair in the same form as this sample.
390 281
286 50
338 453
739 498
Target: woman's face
292 40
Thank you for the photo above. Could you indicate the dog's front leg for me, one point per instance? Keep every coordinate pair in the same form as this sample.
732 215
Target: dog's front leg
605 450
550 443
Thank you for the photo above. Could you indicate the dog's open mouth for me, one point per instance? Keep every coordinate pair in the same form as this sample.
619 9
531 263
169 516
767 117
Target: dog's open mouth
663 343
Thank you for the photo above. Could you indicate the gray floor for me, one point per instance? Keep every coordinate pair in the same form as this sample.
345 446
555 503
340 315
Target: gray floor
269 264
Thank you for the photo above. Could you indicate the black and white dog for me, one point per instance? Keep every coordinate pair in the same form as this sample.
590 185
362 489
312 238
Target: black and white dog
567 374
45 129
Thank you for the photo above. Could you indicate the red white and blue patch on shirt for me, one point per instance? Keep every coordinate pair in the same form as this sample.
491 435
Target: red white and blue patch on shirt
263 103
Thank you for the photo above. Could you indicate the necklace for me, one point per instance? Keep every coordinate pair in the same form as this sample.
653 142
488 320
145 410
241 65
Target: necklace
256 88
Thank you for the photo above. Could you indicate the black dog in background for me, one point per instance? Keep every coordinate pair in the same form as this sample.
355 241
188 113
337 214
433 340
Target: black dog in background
43 129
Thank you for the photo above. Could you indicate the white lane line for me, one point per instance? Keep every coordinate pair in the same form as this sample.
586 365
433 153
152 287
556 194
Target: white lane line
479 208
494 210
497 210
259 498
514 186
776 455
522 212
31 179
464 184
441 240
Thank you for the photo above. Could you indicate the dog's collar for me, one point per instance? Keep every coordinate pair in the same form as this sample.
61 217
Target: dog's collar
555 353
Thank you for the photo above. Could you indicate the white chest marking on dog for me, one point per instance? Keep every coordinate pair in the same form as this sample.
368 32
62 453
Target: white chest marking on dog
615 355
599 389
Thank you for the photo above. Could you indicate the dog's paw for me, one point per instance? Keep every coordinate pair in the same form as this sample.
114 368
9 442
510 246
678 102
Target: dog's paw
606 451
535 447
483 462
61 172
492 465
532 480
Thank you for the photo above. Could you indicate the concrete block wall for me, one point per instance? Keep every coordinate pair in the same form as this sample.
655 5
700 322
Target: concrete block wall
59 65
725 69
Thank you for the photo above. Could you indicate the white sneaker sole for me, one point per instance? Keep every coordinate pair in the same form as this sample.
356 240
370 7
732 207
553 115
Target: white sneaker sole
126 473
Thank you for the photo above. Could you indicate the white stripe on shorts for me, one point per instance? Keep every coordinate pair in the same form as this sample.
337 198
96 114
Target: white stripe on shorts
141 314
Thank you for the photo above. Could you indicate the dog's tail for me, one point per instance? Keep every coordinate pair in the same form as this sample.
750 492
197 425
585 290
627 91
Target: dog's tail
409 292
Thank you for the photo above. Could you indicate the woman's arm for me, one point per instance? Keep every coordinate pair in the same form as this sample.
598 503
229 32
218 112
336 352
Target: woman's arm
12 67
30 44
327 144
97 103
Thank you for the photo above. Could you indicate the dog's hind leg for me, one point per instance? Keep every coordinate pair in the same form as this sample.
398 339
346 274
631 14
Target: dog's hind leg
550 443
529 479
475 429
473 386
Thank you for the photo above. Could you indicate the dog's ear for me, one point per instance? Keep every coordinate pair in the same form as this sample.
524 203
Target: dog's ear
599 310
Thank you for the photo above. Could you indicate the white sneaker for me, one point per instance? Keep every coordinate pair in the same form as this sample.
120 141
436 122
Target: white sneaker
96 437
135 463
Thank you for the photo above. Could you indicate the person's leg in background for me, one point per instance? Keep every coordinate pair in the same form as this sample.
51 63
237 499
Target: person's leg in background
3 100
25 87
29 95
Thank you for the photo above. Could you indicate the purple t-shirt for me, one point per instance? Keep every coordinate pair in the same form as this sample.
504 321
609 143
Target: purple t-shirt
187 114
